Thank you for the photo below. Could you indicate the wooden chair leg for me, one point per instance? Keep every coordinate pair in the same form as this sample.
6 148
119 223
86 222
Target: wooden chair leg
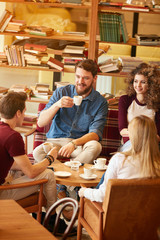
40 202
81 213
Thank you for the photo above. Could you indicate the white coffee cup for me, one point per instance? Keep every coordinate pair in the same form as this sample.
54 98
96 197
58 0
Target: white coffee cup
100 162
47 146
88 172
77 100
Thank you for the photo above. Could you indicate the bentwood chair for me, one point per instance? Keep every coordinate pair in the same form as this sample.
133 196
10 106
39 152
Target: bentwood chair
131 210
33 203
62 203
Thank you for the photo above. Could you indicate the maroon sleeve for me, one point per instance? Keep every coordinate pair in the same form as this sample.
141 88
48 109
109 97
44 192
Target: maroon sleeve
15 145
124 103
157 121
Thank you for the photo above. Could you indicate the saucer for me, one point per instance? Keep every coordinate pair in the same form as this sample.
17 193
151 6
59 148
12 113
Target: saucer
68 164
88 178
98 168
62 174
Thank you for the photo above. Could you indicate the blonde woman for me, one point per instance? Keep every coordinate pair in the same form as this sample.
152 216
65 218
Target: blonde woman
142 160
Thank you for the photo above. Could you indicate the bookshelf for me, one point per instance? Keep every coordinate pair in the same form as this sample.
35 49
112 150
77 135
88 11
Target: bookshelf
92 39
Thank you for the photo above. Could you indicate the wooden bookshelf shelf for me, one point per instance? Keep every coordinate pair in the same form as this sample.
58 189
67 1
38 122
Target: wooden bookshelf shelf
119 9
131 42
55 36
58 5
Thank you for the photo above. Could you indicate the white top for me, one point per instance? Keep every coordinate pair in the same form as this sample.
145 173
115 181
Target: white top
135 110
116 170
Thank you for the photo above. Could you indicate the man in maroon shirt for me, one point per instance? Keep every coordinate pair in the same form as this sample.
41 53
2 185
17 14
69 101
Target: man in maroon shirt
13 156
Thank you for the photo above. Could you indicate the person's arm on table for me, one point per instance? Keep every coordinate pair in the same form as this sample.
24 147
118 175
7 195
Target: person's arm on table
23 163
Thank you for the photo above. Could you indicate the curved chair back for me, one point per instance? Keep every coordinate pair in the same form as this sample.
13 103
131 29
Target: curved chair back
64 202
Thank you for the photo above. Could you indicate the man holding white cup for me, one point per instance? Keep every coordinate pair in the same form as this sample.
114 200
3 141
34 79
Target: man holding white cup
76 129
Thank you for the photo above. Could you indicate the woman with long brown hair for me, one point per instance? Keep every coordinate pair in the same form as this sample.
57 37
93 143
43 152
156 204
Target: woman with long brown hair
143 97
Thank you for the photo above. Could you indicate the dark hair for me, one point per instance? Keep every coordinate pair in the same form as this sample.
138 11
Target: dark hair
11 103
151 72
88 65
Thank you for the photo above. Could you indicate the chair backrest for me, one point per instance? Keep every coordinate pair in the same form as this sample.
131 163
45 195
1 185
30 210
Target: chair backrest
111 139
64 202
132 209
34 202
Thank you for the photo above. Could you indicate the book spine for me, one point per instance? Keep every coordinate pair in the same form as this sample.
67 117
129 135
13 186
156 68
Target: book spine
6 50
6 23
22 56
35 47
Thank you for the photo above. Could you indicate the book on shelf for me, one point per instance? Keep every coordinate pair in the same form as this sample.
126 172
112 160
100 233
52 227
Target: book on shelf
41 88
123 28
3 59
109 25
15 26
18 88
111 68
6 50
21 49
112 4
6 17
61 84
129 63
39 30
73 55
135 8
106 63
74 49
74 33
54 63
35 47
3 89
148 39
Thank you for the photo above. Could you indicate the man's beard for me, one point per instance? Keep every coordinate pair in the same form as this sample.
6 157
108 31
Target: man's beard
85 91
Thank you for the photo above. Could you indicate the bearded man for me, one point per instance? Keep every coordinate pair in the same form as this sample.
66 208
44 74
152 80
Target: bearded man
76 130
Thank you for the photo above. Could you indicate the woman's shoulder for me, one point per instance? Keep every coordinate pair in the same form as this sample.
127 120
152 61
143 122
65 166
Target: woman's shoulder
117 157
126 100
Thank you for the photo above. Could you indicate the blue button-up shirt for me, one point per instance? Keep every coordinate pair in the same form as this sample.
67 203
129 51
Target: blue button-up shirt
77 121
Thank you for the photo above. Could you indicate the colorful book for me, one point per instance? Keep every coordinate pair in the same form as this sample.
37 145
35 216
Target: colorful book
36 47
54 63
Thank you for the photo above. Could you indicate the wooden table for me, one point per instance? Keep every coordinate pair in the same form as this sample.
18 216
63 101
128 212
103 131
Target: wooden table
75 179
17 224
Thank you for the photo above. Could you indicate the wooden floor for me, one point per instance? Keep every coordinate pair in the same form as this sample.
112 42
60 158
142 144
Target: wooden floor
84 236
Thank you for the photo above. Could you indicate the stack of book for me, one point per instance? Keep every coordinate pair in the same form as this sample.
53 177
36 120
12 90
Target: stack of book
109 66
112 27
148 39
73 54
15 26
15 55
18 88
39 30
129 63
3 91
3 59
33 54
5 19
41 91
